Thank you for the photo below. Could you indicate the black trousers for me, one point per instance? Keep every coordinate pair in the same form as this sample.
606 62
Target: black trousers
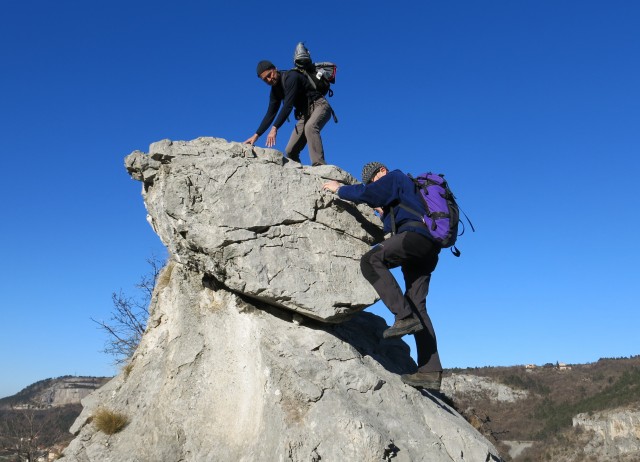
417 257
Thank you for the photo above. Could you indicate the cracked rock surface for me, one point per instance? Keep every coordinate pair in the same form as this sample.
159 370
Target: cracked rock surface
218 377
259 224
255 347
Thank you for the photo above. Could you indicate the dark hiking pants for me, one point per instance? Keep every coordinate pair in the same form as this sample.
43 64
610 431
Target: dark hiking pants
417 257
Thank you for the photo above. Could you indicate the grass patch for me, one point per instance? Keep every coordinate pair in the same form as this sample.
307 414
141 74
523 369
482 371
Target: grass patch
109 422
127 370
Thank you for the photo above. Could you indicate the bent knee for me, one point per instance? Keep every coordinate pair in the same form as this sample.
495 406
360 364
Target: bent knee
367 264
311 132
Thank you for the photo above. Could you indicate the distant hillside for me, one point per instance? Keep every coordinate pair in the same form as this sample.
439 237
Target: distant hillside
53 392
36 420
554 412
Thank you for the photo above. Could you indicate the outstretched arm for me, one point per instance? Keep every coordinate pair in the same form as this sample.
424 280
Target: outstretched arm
272 111
333 186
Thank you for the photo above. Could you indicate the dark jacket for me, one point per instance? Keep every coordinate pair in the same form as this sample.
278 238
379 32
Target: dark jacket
387 192
294 91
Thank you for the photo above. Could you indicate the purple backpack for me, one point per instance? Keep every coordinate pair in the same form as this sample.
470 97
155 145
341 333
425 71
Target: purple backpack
443 214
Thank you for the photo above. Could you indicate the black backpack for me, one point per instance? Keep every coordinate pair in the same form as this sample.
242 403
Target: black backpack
320 75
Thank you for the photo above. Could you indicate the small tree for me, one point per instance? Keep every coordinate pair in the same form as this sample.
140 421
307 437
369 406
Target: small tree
129 316
29 430
20 434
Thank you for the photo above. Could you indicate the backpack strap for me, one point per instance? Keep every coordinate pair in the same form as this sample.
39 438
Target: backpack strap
394 227
315 87
415 224
394 230
283 74
419 214
313 82
393 221
469 221
333 114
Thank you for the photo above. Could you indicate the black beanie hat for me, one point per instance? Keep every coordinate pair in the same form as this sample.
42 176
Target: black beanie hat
263 66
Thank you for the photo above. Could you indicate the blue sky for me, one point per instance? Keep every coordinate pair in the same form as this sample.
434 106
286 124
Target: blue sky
530 108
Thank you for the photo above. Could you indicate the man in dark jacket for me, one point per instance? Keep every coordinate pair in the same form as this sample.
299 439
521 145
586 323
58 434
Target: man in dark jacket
312 111
412 249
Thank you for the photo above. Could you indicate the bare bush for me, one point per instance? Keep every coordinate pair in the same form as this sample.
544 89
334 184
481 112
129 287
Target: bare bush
130 314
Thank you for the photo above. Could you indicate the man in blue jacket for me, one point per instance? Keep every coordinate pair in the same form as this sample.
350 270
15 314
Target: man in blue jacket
412 249
312 111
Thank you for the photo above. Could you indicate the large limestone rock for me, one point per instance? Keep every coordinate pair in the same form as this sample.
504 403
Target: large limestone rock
259 224
220 378
229 369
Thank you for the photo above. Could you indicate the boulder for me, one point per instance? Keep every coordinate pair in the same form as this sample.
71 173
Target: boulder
259 224
256 347
218 376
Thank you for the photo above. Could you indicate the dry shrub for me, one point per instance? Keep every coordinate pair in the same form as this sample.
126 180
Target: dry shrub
127 370
109 422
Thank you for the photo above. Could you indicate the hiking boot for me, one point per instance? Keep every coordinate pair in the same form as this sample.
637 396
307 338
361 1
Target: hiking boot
405 326
428 380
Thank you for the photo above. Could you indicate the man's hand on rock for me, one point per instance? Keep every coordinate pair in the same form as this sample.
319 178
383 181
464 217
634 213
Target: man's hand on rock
252 140
332 186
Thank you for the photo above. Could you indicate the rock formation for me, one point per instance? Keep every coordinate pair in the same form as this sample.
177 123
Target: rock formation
472 385
53 392
69 390
259 225
256 347
615 434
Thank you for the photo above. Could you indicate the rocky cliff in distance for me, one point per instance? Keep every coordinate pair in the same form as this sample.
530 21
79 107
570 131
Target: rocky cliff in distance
576 413
53 393
257 347
615 434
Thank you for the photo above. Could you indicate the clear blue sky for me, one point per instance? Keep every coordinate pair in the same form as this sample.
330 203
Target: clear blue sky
531 108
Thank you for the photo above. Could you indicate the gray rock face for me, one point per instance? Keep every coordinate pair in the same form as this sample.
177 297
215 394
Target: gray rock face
223 372
464 384
615 434
69 390
218 377
55 392
259 224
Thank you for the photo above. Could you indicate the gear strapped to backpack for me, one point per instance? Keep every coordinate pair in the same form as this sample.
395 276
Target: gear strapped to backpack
321 75
442 215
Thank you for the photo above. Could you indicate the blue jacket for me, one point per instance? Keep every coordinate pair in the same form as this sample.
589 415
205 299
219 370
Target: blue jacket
387 192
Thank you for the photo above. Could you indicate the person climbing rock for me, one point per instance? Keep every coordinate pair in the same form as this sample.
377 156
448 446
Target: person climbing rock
412 249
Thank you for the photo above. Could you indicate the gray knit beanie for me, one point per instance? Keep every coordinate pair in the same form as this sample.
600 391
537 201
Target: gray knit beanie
370 170
263 66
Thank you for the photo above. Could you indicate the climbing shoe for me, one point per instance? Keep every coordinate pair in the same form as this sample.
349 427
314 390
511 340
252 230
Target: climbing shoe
405 326
428 380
